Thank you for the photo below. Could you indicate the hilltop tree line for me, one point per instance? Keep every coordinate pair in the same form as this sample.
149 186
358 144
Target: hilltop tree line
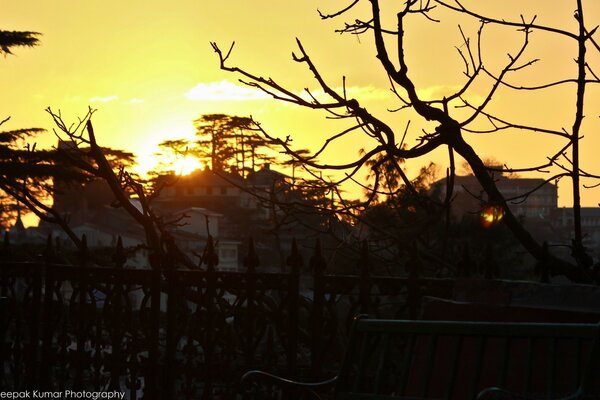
223 143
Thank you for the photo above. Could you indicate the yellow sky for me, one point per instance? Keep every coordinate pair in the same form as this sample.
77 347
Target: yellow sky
148 67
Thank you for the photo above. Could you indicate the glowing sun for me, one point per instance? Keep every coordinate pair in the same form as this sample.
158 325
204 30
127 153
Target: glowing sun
185 165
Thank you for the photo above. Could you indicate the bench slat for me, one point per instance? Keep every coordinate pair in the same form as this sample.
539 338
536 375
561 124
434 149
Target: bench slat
529 368
405 366
593 366
481 345
505 361
551 366
455 365
429 369
578 360
362 364
382 363
500 329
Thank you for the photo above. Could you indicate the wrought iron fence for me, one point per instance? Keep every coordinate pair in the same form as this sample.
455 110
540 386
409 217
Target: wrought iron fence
183 334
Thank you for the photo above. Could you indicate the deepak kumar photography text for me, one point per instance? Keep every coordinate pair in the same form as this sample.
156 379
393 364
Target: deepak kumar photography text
66 394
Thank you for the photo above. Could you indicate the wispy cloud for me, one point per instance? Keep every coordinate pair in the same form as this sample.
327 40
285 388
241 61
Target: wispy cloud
224 91
103 99
369 92
438 92
361 93
228 91
136 100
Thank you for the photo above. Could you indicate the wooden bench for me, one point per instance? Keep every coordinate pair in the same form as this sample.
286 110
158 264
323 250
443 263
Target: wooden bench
399 359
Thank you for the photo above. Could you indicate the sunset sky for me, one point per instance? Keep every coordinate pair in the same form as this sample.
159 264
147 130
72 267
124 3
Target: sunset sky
148 68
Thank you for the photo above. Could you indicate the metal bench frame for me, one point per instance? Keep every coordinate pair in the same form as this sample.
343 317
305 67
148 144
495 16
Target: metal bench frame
345 386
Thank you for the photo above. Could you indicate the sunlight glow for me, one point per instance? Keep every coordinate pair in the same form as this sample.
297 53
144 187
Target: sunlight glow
186 165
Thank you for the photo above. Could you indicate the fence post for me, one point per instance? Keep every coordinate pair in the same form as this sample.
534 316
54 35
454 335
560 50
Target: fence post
364 284
250 263
543 264
4 302
169 266
119 303
6 250
3 328
5 257
211 260
49 257
317 265
294 261
32 358
81 314
151 387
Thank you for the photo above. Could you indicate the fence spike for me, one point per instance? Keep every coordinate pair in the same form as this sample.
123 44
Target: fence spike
49 253
84 253
294 261
543 264
119 258
6 251
210 257
251 259
317 261
168 259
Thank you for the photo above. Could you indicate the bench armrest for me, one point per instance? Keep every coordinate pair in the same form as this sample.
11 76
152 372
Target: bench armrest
495 393
308 387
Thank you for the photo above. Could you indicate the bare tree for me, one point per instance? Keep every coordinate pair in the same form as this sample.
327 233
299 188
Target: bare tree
83 153
450 125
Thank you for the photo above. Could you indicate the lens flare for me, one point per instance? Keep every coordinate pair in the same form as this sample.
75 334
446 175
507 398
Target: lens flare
491 215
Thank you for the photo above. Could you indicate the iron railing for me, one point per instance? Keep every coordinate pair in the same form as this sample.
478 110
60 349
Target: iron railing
181 334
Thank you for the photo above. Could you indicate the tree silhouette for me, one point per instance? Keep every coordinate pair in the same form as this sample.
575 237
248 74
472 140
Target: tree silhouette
26 173
214 136
225 143
250 149
10 39
230 143
446 113
31 178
